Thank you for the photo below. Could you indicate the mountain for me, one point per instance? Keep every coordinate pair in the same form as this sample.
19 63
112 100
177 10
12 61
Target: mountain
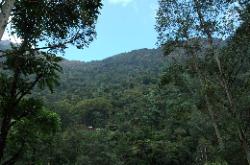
139 69
5 44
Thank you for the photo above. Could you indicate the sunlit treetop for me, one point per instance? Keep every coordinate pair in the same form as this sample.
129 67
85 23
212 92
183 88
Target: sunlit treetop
184 19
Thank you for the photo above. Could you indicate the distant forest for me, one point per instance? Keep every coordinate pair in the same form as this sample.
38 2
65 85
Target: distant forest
185 103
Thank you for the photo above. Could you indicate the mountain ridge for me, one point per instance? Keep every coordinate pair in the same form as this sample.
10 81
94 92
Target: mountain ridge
135 69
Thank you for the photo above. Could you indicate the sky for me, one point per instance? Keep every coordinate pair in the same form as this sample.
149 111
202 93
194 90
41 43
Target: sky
123 25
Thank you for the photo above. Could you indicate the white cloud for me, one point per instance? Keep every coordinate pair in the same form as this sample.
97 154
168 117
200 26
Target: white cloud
154 8
12 38
8 36
120 2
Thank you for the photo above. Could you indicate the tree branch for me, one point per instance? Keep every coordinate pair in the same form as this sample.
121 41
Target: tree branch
28 90
60 45
19 118
15 157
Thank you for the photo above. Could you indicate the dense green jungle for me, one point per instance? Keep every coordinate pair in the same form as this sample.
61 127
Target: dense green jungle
186 102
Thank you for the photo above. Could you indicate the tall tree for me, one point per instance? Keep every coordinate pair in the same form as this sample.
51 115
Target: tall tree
6 6
57 23
180 21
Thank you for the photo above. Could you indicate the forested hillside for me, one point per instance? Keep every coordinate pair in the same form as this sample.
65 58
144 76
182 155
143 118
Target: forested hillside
82 80
184 103
5 44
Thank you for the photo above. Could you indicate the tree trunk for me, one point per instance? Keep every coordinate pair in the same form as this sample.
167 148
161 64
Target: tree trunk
244 144
15 157
7 111
6 8
214 123
247 151
3 134
229 97
202 80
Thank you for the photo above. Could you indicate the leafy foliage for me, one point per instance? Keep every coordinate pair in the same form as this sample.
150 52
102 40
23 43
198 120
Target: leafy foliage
127 109
25 67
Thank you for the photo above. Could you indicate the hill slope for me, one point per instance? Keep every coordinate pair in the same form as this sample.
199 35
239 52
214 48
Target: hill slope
4 44
135 69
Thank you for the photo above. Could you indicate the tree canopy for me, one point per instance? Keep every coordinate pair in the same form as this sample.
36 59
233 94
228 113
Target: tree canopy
26 65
